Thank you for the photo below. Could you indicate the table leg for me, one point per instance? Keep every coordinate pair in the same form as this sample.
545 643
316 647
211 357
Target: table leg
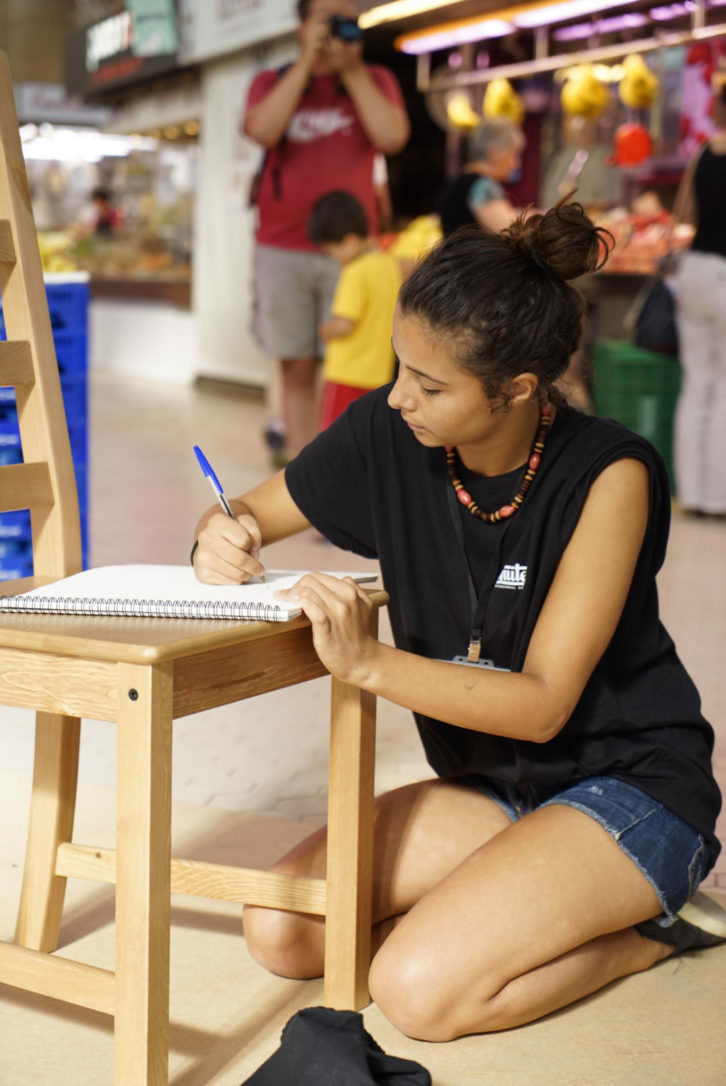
55 774
143 905
350 846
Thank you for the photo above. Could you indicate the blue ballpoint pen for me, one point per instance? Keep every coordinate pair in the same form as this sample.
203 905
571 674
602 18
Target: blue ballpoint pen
215 484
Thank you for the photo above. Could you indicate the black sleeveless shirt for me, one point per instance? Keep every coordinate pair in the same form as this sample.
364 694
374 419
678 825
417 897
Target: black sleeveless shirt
709 190
454 210
370 487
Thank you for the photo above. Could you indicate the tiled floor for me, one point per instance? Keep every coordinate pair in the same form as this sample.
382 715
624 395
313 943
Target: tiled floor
146 494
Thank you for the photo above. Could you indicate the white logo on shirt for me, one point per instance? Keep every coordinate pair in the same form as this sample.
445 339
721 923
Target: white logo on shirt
311 124
512 577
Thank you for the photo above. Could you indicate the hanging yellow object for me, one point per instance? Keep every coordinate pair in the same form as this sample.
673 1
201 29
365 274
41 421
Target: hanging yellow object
501 100
639 84
583 94
459 111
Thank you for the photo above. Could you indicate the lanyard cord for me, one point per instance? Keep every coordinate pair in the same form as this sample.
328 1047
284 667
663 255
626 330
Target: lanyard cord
478 602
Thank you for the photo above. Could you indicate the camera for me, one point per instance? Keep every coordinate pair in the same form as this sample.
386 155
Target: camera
345 28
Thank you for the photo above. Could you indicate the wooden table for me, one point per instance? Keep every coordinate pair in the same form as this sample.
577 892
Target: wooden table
143 673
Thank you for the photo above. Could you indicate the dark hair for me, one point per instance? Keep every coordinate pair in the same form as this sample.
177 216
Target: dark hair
336 215
503 298
303 7
101 193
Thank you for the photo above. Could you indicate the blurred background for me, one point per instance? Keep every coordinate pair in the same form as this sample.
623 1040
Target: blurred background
142 98
140 176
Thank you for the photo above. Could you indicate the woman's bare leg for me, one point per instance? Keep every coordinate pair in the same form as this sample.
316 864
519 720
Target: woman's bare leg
496 924
535 919
414 850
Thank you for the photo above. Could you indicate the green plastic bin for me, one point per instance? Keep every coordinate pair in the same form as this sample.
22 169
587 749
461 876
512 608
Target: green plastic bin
638 388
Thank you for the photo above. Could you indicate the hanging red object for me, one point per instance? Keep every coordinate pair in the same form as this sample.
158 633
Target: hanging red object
632 145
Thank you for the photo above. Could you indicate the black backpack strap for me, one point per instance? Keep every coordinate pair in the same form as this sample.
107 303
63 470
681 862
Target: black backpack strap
254 190
276 171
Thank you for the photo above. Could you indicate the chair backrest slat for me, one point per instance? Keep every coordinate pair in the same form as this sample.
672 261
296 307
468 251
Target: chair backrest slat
26 486
7 248
16 364
45 483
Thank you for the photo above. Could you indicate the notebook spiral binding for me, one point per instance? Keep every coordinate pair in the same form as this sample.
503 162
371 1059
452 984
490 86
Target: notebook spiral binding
251 611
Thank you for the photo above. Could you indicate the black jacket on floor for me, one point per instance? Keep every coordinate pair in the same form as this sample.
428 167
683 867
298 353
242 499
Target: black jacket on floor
323 1047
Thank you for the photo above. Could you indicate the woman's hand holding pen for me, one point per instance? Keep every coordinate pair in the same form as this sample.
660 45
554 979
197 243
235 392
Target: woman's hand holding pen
339 611
228 548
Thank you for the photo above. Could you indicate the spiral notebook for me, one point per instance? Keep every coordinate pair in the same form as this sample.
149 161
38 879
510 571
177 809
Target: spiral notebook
156 591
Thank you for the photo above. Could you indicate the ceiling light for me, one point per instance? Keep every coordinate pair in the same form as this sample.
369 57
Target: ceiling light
399 9
671 11
630 20
557 13
428 41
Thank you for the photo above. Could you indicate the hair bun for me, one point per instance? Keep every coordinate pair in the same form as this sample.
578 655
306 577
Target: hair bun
562 241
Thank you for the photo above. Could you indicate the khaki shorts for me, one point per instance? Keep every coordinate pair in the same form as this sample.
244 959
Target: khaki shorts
293 293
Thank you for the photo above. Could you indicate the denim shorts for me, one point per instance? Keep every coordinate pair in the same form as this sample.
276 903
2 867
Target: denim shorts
670 853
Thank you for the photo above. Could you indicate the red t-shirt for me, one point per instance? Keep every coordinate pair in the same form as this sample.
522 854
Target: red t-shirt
325 147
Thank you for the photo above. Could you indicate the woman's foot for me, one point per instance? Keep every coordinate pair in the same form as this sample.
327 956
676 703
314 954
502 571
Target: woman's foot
700 923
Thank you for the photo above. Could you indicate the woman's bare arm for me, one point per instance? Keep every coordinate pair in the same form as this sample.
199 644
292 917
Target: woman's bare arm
495 215
228 547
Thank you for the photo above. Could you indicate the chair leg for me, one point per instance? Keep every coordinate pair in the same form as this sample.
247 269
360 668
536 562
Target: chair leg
349 847
53 803
143 875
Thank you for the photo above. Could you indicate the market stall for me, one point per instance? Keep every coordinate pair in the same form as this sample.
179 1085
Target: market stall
613 104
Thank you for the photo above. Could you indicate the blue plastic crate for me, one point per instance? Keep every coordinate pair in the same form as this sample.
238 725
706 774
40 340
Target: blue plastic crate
78 435
10 449
74 388
71 351
16 540
75 401
8 419
68 306
17 570
15 550
15 525
85 543
81 473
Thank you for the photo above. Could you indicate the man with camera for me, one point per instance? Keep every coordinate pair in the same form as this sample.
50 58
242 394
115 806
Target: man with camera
321 121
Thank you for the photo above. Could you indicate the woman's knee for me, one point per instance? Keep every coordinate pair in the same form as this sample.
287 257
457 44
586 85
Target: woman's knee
288 944
414 997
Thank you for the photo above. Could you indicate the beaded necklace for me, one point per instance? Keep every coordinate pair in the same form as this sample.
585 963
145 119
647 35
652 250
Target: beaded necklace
535 456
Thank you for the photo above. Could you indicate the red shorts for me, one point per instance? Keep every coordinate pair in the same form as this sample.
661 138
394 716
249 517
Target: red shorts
335 399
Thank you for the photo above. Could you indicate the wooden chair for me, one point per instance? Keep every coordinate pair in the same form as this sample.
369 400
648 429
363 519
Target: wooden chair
141 673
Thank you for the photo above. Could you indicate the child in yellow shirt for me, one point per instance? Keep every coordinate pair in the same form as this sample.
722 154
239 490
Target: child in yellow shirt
357 334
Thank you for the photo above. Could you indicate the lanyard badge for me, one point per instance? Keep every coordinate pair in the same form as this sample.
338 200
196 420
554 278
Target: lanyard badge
488 664
477 601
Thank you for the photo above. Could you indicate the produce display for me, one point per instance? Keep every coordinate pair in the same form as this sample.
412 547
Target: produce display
643 235
141 256
583 94
639 84
501 100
